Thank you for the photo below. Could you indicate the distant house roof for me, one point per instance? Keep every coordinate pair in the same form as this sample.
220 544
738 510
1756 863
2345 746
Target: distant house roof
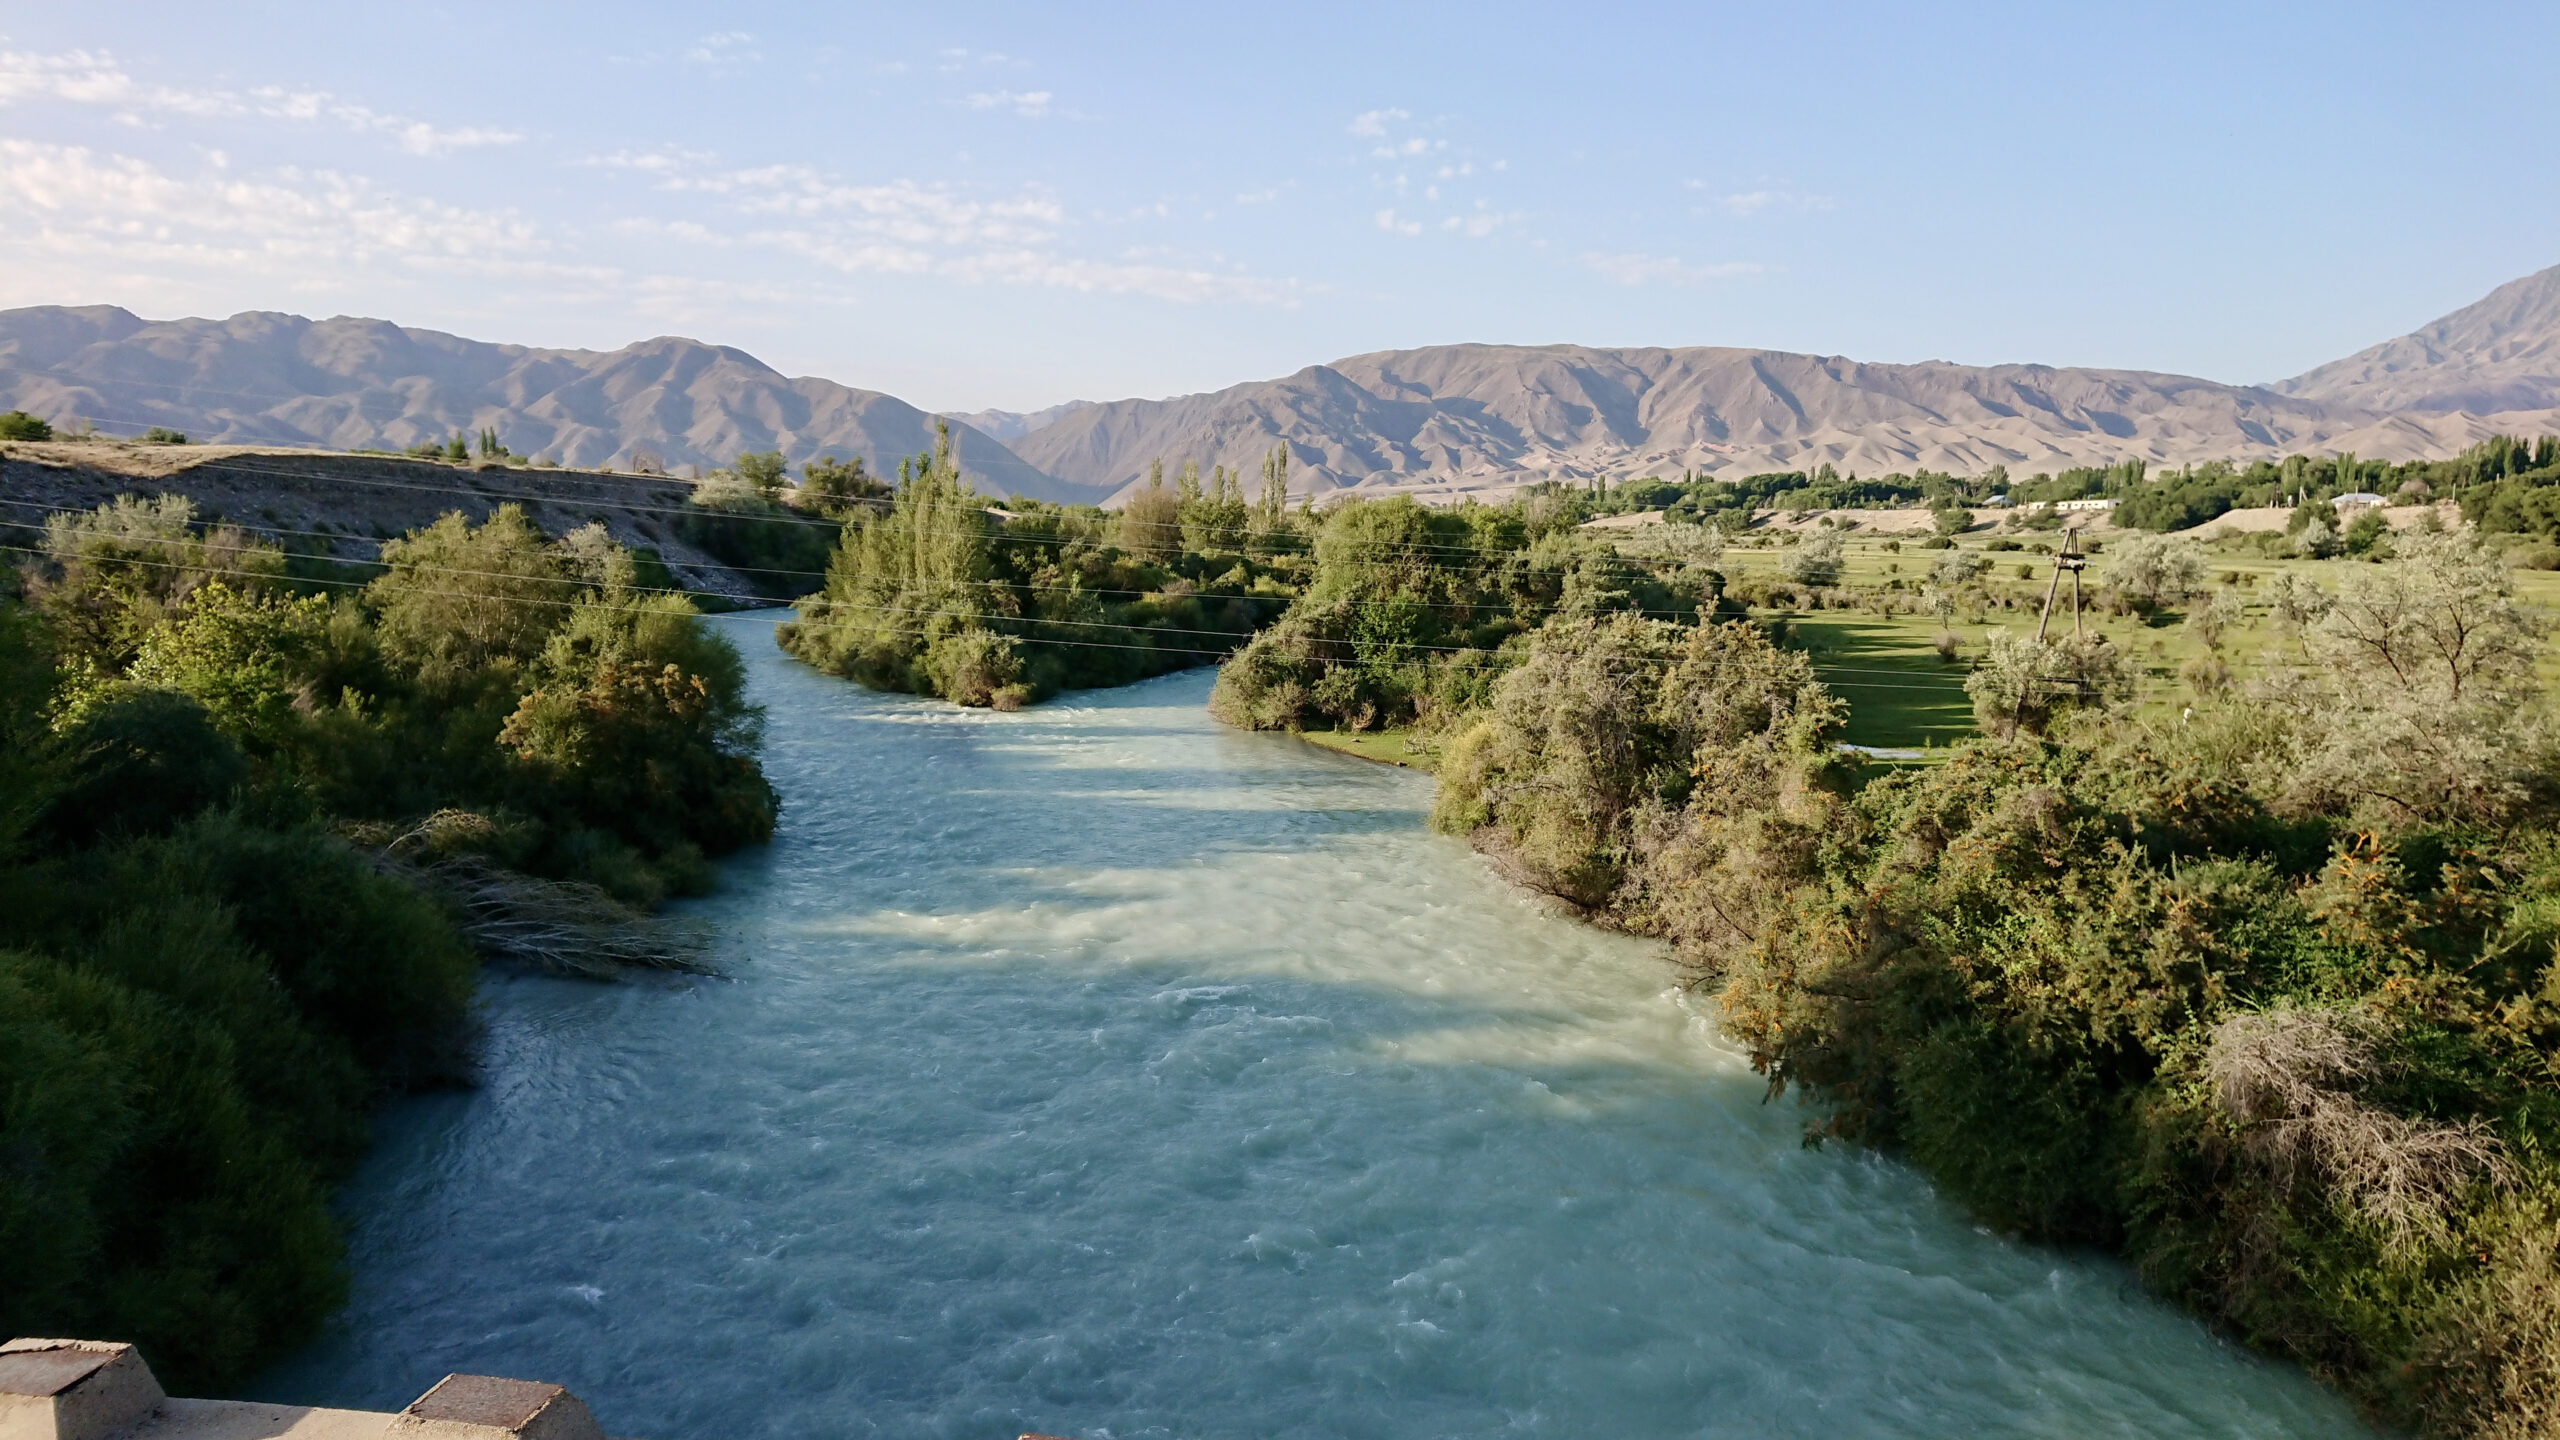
2359 497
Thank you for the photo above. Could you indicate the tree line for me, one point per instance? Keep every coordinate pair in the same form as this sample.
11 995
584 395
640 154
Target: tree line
933 589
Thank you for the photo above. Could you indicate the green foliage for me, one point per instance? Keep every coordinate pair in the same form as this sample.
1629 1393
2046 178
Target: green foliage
941 595
19 425
1411 612
1604 729
458 598
834 487
113 574
2266 997
780 550
191 1030
161 435
202 990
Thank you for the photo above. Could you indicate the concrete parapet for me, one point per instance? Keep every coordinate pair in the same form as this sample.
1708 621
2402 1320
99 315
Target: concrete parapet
73 1390
97 1390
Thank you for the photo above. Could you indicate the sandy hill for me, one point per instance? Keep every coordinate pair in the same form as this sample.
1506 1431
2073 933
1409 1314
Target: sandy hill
261 378
2500 354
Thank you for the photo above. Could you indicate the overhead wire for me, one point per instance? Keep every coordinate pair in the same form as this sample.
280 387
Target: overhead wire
1486 656
567 502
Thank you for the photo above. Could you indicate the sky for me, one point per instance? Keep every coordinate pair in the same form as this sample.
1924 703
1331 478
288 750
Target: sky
1014 205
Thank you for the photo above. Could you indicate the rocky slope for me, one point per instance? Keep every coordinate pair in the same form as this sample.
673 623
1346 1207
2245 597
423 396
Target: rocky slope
1460 418
268 379
2500 354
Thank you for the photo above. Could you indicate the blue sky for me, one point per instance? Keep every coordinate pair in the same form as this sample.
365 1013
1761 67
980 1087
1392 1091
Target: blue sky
1014 205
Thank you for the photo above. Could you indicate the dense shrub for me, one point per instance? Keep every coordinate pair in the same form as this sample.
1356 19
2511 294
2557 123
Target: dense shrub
1411 613
202 988
2265 997
939 594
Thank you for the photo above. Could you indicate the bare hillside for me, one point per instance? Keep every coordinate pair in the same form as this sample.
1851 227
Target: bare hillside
261 378
2502 353
346 505
1457 418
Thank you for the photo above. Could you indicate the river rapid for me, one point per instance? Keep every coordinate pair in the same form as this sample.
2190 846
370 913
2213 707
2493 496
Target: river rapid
1098 1070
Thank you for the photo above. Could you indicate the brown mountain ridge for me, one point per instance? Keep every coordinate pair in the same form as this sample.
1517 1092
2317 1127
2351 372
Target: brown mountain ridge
1437 422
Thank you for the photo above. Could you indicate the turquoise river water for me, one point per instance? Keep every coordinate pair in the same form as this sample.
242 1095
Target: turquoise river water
1100 1071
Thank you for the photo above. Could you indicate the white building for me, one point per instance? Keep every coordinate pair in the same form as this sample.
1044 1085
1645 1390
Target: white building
2068 506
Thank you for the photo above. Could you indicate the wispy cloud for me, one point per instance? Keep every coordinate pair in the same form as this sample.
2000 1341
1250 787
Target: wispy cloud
1031 104
284 220
960 58
1628 269
1480 222
82 221
1747 203
1394 224
901 227
93 77
723 51
1372 124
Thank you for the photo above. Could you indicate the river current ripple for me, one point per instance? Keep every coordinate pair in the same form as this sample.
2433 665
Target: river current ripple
1097 1070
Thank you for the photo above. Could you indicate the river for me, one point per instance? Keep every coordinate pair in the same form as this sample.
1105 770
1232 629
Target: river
1097 1070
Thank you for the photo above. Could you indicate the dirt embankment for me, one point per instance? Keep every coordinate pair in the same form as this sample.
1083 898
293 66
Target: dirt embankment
345 506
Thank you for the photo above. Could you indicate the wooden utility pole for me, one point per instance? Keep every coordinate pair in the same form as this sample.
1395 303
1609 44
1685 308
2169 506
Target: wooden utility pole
2068 558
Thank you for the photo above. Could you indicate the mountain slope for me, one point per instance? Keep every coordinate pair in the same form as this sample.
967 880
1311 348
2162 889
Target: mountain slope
1460 417
1013 424
2502 353
272 379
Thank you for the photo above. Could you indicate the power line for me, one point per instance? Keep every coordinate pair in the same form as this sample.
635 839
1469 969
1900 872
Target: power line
580 477
1475 654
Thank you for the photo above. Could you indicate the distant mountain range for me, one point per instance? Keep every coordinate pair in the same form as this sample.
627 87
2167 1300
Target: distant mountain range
1438 422
267 379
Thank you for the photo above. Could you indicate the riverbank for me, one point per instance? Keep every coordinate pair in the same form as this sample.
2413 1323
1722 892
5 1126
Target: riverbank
1395 747
1094 1066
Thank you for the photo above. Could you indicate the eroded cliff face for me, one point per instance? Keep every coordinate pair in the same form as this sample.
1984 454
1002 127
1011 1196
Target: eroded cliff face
347 505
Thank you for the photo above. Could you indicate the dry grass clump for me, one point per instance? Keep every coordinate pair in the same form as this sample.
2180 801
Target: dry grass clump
564 927
2287 1076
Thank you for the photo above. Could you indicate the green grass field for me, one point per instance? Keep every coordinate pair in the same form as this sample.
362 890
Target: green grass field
1901 694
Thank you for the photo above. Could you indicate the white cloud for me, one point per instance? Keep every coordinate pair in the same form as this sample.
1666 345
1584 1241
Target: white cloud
1372 124
286 222
1031 105
1388 222
899 210
1257 197
85 77
80 221
724 50
905 228
1753 202
1665 269
665 160
1482 222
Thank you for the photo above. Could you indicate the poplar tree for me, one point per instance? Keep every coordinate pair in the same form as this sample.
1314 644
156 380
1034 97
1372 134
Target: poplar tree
1273 512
